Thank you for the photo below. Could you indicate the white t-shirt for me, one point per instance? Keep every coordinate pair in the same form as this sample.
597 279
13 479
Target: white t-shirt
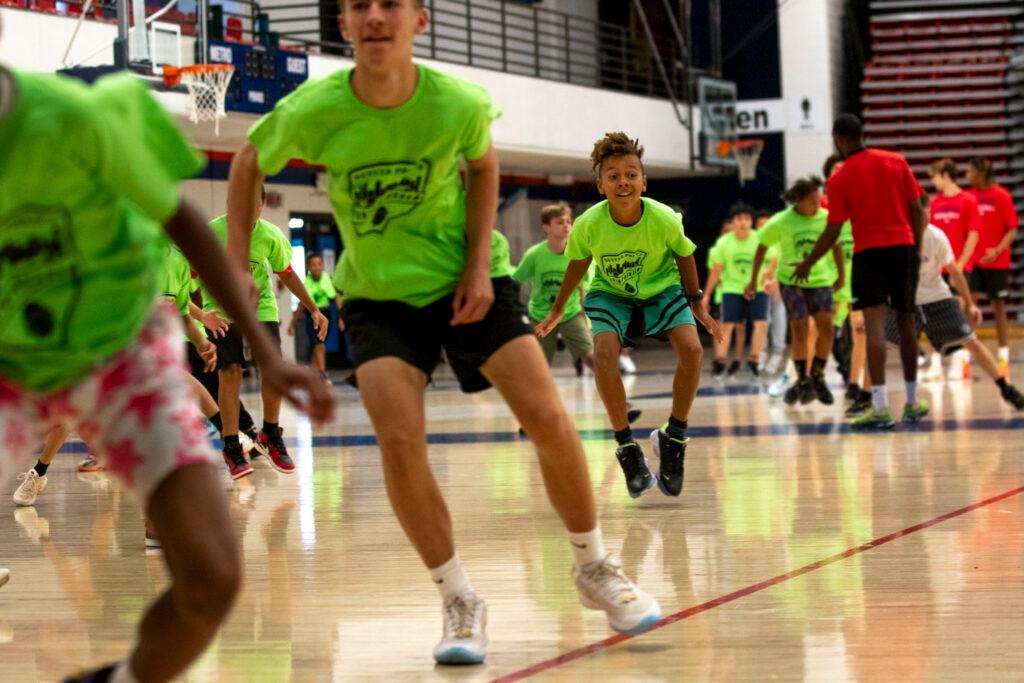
936 254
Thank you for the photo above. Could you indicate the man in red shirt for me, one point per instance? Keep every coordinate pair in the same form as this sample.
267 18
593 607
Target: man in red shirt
955 212
877 192
998 229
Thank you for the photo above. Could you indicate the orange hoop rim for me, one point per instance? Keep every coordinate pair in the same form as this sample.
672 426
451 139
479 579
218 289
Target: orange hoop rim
725 147
173 74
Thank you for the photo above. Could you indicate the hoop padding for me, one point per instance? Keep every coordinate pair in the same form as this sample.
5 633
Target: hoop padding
747 153
207 90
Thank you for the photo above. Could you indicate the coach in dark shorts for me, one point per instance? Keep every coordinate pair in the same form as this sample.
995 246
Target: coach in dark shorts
878 193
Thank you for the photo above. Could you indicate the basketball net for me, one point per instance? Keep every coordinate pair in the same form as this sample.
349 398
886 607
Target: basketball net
207 90
746 153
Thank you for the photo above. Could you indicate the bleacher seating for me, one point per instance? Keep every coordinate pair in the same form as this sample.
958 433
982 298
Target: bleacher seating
946 78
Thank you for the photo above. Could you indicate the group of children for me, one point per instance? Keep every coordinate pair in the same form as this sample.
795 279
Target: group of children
92 351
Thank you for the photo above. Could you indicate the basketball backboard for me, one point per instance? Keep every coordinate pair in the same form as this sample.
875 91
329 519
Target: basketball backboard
717 102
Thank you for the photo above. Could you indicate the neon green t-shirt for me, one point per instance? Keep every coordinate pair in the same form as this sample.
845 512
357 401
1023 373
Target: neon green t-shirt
394 181
846 242
796 236
737 260
175 279
712 254
545 271
87 177
634 261
501 261
321 291
269 250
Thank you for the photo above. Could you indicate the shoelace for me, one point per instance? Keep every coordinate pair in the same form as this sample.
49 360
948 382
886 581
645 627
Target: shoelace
460 617
237 458
611 583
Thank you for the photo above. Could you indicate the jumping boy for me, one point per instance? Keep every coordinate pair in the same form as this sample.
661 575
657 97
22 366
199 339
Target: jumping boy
417 277
270 251
97 172
640 254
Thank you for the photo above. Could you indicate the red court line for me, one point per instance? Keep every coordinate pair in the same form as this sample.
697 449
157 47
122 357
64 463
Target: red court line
749 590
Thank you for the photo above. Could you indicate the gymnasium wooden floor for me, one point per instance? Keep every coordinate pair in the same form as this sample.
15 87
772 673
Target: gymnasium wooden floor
798 551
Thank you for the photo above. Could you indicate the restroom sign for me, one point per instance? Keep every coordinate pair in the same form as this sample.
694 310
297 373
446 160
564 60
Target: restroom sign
806 114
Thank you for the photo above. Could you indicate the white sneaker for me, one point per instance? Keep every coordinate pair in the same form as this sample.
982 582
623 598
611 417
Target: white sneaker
626 365
31 486
465 638
934 372
5 575
603 585
779 386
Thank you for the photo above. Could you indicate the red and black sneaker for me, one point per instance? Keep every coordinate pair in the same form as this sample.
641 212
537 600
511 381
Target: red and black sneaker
238 466
276 451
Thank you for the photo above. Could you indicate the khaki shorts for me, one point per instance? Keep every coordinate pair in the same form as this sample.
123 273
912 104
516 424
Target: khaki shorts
576 333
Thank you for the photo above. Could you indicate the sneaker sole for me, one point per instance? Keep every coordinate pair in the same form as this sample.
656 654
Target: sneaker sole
279 468
661 487
459 655
647 488
874 427
243 473
646 624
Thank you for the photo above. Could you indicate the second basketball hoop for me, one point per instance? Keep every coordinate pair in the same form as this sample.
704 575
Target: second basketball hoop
207 90
747 154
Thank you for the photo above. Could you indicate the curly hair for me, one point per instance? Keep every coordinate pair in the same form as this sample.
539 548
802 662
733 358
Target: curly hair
801 189
614 145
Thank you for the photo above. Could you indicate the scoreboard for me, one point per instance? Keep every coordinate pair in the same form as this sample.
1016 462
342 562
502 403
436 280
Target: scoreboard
263 75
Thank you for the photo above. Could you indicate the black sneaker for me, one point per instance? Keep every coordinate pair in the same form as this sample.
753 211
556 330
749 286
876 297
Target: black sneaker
1012 396
754 369
717 368
633 413
852 391
860 405
257 449
238 466
276 451
672 453
792 394
101 675
634 467
734 367
806 389
821 391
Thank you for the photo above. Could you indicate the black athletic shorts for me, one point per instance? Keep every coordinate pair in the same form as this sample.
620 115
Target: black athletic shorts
886 275
231 350
379 329
943 322
995 283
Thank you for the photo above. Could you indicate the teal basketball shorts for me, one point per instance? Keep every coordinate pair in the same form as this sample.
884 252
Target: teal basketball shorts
631 319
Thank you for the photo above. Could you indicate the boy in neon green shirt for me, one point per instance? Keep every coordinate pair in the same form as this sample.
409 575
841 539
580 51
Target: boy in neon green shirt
731 260
795 230
270 251
543 266
321 290
641 254
417 276
97 172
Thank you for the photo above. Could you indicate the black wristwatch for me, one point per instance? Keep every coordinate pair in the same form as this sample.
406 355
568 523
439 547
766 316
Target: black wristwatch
696 296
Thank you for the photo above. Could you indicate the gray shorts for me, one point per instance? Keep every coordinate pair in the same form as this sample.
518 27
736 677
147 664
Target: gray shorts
943 322
576 333
802 302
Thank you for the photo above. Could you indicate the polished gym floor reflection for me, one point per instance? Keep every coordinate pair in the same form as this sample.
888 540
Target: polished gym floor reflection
798 550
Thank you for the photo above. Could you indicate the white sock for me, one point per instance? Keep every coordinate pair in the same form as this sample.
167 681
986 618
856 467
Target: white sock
911 393
879 399
451 579
1004 353
587 547
123 674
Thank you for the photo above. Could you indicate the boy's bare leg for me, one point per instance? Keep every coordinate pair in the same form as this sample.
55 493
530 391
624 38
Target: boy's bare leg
722 353
227 398
984 357
54 440
199 546
690 357
609 381
271 404
874 324
518 371
800 330
741 340
207 406
858 356
320 357
822 342
392 392
1002 323
759 339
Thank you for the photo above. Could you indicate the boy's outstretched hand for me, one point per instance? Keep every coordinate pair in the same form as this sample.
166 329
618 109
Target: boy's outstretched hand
302 387
549 323
709 323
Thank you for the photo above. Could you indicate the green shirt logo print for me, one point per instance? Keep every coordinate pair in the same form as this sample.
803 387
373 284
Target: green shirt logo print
36 246
623 269
551 283
382 192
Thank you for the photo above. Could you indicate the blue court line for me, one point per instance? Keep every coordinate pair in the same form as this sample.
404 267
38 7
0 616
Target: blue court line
828 428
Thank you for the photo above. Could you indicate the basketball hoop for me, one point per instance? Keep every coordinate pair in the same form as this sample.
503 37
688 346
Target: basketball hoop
747 153
207 90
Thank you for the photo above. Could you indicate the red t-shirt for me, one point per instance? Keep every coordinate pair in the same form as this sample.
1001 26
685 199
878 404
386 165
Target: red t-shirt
957 216
873 191
998 217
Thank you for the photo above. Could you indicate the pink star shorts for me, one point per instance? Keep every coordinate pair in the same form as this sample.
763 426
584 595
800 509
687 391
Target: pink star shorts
136 411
